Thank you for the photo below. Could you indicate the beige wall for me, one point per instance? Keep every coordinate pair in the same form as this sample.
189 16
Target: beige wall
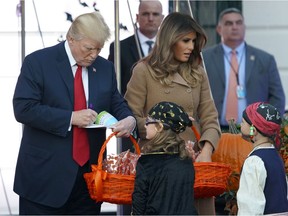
267 29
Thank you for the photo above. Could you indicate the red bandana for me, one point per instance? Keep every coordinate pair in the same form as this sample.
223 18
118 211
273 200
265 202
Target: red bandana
265 118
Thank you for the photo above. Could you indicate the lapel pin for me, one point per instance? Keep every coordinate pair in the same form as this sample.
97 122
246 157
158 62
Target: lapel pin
252 58
94 69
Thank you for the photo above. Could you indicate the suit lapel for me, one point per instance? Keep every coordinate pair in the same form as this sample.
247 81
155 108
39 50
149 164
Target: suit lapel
65 71
250 60
134 50
92 79
219 63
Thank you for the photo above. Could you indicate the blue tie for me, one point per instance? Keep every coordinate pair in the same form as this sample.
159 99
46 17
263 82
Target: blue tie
149 43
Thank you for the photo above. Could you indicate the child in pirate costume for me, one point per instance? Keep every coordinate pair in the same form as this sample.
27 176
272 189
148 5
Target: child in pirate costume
263 183
164 183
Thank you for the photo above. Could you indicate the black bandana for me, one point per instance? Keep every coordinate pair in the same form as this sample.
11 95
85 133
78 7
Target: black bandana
172 115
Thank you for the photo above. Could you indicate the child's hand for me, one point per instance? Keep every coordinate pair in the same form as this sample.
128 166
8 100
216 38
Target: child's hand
191 118
189 147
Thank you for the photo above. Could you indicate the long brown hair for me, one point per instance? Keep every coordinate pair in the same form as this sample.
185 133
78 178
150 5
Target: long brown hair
161 62
166 141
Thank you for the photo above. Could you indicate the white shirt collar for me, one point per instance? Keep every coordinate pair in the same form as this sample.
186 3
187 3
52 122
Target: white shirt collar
143 38
239 49
69 54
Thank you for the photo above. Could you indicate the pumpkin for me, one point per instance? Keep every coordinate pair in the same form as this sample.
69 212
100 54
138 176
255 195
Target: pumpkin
232 149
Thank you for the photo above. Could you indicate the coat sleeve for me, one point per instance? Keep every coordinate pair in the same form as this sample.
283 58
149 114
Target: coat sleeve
208 115
136 96
276 92
40 98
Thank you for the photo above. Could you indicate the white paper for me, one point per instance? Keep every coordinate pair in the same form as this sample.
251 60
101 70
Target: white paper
95 126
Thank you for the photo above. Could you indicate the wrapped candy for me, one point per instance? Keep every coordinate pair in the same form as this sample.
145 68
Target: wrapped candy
124 163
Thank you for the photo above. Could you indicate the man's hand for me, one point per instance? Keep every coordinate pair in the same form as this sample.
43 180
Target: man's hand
124 127
83 118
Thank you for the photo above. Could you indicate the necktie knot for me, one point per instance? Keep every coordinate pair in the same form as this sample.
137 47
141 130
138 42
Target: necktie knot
149 43
233 52
78 72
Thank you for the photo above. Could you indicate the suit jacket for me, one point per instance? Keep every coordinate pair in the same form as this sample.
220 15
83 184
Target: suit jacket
43 101
128 57
262 77
143 92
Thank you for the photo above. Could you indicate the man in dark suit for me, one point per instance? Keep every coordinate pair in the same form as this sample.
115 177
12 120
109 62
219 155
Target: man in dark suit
149 18
48 179
258 76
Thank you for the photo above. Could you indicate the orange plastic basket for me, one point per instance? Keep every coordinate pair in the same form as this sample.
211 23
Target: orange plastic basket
107 187
211 179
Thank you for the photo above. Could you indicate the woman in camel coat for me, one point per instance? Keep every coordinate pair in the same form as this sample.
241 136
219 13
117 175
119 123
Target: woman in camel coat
173 72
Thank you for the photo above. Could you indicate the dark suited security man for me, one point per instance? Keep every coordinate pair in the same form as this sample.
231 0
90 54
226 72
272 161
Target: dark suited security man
149 18
48 179
258 76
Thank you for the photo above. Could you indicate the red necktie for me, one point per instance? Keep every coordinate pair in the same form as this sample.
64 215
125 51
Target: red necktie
80 138
232 99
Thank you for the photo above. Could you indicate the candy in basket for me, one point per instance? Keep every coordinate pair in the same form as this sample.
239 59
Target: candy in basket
123 164
112 180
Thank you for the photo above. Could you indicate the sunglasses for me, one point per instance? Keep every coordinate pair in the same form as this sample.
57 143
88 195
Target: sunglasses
150 121
154 121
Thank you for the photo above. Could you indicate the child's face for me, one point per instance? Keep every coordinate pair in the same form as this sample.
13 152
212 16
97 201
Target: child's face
245 128
151 129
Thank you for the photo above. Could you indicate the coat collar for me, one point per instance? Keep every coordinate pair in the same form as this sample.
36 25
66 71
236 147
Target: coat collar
177 78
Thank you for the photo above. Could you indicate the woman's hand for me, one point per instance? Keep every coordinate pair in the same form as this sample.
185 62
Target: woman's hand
205 153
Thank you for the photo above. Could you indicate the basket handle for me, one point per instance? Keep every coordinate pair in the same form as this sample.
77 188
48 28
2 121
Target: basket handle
102 150
99 171
196 133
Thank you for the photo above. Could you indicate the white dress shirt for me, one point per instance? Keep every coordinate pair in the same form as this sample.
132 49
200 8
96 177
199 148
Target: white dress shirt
142 41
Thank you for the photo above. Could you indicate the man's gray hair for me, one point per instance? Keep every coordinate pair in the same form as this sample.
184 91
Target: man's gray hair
89 25
227 11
